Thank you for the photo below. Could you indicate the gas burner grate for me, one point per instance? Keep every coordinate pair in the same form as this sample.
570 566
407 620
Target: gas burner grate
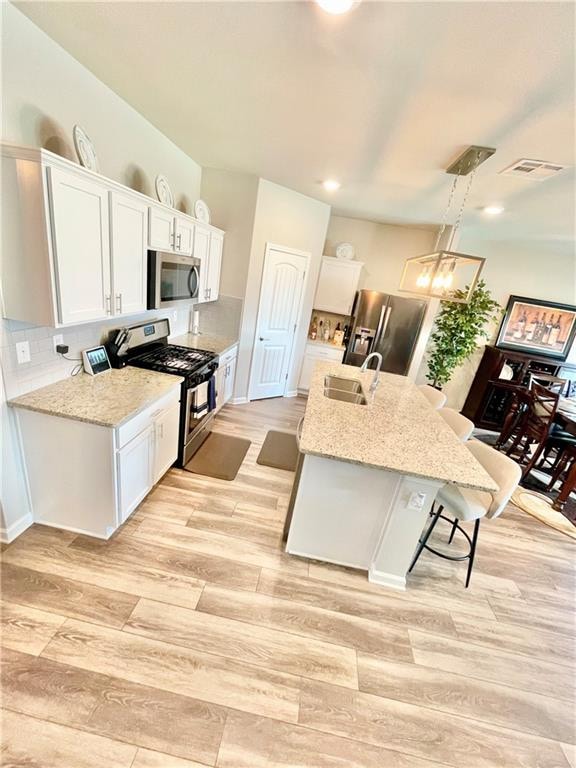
173 358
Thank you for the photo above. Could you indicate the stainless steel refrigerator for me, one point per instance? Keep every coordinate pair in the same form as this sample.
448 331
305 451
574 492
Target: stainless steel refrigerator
386 324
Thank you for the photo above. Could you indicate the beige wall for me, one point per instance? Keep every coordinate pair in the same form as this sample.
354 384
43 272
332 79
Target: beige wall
283 217
382 247
45 92
232 198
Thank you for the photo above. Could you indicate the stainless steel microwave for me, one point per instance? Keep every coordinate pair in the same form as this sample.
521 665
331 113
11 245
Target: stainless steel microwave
171 279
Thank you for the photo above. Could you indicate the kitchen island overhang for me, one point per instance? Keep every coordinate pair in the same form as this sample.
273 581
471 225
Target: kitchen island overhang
369 474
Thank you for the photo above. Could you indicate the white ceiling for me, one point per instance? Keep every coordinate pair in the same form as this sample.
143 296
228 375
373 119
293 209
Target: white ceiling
382 98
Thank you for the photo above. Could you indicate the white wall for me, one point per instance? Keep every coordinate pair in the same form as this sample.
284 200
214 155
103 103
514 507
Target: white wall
232 199
45 92
283 217
382 247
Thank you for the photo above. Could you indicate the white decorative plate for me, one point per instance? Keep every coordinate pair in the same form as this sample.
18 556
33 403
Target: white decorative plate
163 191
202 212
345 251
84 149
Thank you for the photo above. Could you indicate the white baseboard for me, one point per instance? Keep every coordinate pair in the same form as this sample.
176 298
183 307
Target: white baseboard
9 534
239 401
291 393
387 579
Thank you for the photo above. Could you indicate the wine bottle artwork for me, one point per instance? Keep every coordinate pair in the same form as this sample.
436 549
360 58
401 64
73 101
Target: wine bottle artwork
545 328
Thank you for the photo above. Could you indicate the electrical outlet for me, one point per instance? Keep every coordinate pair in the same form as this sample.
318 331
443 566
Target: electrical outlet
57 340
416 501
23 352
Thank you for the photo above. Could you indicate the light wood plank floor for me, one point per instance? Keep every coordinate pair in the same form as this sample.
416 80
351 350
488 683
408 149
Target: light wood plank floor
190 639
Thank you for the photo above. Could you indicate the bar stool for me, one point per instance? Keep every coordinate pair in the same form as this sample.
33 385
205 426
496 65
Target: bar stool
436 398
469 505
459 424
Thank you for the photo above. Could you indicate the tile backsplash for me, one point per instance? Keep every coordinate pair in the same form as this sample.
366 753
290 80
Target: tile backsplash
220 317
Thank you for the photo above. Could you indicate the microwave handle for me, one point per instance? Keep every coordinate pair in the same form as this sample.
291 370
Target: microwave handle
193 292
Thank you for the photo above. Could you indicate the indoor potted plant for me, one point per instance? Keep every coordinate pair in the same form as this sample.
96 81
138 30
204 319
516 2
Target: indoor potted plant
458 328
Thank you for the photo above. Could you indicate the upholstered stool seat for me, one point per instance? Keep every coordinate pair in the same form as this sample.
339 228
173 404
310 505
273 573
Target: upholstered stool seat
436 398
462 426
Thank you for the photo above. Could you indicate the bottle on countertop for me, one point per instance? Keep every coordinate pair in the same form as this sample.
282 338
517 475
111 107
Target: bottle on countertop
314 328
327 331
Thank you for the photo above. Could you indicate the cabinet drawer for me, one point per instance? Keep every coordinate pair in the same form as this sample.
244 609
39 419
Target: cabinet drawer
229 356
324 353
125 432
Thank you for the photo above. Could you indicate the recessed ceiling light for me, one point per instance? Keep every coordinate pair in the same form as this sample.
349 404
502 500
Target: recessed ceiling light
331 185
493 210
335 6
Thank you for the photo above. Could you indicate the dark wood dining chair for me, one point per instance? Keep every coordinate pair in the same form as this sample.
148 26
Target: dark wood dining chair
553 383
519 400
534 427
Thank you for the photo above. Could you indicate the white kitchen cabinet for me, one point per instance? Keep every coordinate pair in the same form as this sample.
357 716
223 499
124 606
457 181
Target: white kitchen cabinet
183 236
160 229
129 219
102 473
225 376
337 285
134 462
208 245
81 247
166 425
312 354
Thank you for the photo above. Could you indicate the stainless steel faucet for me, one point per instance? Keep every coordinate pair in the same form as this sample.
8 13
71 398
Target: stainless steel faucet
376 372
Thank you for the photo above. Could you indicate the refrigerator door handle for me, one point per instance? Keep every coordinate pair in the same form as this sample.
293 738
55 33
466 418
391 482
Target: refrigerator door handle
382 325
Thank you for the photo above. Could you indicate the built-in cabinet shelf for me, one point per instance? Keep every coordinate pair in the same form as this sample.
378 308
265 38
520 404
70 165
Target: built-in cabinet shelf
75 243
337 285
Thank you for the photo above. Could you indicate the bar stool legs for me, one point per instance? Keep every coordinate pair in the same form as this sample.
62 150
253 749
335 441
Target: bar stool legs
472 540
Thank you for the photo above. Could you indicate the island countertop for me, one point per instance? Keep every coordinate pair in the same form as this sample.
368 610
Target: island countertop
398 431
108 399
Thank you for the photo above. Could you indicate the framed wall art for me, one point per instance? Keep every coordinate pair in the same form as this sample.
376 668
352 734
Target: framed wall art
539 327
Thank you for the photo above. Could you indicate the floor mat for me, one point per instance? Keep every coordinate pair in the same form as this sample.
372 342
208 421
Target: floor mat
279 450
219 456
541 508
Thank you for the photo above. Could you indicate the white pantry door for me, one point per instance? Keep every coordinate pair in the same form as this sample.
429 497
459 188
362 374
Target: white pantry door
278 314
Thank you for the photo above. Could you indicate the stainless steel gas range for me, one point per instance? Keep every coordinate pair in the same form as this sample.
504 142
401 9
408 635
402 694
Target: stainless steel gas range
146 346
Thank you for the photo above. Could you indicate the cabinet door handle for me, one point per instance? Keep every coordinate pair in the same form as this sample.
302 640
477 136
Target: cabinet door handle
179 242
209 292
119 303
263 339
108 304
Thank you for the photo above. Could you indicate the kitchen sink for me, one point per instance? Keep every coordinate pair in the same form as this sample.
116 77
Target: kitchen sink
345 390
356 398
342 384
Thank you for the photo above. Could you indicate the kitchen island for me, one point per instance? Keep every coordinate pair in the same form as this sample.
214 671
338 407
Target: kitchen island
369 473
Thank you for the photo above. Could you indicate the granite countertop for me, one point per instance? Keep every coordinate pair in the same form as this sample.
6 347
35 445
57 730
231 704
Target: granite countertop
398 431
109 399
205 341
322 343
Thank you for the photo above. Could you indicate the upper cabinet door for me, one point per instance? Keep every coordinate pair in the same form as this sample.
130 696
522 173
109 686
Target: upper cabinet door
129 253
214 265
81 243
337 285
184 238
202 252
160 229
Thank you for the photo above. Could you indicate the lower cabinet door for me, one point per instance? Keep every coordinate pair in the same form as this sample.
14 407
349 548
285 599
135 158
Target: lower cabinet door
134 472
166 426
229 380
220 385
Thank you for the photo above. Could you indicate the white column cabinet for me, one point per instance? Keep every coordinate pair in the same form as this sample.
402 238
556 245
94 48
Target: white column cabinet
337 285
81 247
129 219
202 252
214 265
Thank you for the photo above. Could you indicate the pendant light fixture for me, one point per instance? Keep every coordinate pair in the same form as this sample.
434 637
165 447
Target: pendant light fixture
446 274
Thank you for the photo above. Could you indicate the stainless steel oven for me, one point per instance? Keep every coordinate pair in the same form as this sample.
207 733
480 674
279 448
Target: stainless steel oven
171 279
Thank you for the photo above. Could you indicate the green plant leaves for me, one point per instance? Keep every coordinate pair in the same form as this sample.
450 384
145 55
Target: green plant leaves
457 330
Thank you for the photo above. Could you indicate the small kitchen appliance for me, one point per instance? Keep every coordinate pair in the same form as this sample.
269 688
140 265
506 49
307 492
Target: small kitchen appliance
171 279
95 360
146 346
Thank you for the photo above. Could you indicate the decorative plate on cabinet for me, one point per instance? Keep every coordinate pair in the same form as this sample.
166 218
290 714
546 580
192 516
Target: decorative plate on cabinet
345 251
202 212
163 191
85 149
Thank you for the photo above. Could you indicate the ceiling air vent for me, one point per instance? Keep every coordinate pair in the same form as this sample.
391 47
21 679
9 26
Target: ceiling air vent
537 170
